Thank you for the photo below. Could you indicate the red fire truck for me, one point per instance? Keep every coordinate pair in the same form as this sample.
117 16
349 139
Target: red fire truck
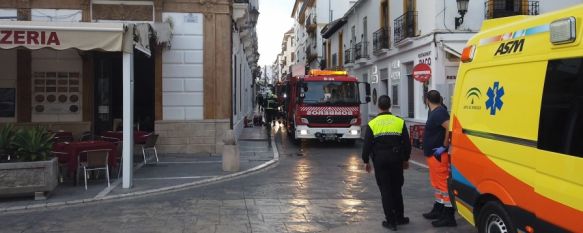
323 105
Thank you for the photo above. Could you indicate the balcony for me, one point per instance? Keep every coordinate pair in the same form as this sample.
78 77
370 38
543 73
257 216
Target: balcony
380 41
405 26
311 25
311 54
361 52
347 57
505 8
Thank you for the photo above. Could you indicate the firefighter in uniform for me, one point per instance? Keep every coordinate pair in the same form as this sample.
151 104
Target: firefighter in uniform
387 143
435 147
270 108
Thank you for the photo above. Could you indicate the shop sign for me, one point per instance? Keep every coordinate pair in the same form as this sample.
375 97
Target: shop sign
12 37
422 72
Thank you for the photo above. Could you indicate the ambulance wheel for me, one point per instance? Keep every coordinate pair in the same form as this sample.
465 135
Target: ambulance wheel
493 218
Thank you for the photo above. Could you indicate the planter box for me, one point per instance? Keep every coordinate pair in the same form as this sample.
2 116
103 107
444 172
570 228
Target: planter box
38 178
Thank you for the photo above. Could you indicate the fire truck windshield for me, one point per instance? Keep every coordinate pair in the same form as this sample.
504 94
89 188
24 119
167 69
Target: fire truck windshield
331 93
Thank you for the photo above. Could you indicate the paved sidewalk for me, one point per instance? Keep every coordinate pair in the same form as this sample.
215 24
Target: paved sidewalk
174 171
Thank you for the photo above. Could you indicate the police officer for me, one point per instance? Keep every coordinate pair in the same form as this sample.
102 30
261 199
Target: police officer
387 142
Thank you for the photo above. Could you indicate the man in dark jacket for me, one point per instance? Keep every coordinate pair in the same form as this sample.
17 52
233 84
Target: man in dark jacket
387 142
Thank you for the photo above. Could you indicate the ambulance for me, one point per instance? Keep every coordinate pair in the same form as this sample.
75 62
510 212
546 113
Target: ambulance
517 125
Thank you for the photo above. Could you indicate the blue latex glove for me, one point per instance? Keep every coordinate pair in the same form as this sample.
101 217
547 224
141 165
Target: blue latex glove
438 151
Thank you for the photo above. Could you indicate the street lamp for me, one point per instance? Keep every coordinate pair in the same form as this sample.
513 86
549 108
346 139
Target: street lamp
462 8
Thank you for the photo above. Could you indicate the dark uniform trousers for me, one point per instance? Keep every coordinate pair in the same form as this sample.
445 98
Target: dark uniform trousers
389 176
387 142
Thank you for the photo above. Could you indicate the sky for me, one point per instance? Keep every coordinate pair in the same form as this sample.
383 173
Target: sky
274 20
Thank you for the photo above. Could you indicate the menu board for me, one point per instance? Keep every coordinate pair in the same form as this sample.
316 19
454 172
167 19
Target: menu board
7 102
56 92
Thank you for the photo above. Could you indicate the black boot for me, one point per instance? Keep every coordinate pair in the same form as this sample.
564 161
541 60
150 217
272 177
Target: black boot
447 218
402 220
435 212
392 225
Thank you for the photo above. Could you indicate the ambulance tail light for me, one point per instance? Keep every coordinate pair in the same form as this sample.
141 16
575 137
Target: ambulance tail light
468 54
563 31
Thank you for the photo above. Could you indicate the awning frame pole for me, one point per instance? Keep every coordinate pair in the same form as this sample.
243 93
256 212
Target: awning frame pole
128 120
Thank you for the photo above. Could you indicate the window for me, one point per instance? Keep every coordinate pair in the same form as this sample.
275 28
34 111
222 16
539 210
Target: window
335 93
561 117
395 95
334 60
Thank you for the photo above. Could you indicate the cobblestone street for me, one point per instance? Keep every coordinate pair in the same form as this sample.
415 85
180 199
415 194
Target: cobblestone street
315 188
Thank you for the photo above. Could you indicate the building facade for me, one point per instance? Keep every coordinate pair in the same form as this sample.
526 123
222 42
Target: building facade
381 41
287 57
184 89
310 16
245 58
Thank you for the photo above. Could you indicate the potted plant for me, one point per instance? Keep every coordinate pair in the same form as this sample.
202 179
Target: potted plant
31 169
6 138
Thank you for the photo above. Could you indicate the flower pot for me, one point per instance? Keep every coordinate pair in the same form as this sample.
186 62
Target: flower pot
29 178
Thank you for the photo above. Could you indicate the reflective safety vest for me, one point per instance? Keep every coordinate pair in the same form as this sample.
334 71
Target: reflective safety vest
271 103
386 125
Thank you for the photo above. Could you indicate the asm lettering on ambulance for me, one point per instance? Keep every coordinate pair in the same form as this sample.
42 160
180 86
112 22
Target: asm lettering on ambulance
329 111
29 37
513 42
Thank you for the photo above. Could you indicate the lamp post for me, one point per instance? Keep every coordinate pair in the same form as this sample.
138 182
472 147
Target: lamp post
462 8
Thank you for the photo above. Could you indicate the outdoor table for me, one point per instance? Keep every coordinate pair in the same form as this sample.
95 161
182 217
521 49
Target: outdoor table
139 136
72 150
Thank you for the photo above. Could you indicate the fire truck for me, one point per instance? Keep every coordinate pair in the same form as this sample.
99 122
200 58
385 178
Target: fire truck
322 105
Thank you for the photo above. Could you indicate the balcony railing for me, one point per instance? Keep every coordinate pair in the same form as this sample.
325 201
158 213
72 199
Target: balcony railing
504 8
380 39
347 57
405 26
360 50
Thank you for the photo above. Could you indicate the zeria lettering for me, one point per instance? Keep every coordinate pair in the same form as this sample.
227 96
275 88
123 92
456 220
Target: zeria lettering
29 38
510 47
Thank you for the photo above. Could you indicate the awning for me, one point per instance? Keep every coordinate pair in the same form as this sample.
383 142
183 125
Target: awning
61 35
454 48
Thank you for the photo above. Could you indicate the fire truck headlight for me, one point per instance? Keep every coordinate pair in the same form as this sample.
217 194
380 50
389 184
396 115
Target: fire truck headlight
354 132
353 121
305 120
303 132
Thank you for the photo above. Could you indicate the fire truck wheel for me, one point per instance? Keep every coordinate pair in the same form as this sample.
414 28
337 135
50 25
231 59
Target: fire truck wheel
349 142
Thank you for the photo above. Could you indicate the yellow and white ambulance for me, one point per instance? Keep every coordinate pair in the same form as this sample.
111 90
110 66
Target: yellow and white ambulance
517 125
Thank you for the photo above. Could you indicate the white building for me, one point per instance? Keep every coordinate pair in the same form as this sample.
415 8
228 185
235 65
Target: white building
381 41
245 57
310 17
276 67
287 57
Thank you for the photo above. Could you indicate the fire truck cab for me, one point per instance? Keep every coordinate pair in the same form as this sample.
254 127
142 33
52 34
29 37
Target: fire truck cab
323 105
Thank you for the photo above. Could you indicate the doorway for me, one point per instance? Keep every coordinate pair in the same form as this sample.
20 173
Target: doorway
108 89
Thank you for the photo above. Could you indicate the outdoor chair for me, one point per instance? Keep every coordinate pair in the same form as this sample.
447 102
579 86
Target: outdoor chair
88 136
62 163
150 146
58 139
94 160
110 139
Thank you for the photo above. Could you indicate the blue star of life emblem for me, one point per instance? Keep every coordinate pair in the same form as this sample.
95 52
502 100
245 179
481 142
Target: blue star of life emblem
495 95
